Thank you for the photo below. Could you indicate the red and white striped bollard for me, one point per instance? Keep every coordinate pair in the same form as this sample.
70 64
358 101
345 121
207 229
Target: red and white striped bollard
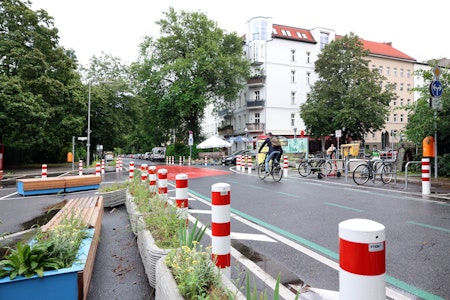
103 166
97 169
426 174
44 171
162 183
131 170
181 196
285 166
152 179
80 167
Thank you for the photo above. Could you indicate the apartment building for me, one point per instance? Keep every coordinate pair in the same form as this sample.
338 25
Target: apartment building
282 60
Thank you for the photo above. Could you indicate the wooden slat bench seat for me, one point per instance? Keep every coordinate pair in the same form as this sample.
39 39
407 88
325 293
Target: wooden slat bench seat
54 185
90 210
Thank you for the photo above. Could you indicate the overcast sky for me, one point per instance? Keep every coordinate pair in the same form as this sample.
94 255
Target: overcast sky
116 27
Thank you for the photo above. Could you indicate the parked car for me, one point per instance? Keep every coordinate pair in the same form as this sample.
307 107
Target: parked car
231 159
147 155
158 154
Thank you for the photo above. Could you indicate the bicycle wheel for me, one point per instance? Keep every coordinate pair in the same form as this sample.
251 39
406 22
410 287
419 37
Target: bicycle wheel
303 169
262 171
361 174
328 167
277 172
386 173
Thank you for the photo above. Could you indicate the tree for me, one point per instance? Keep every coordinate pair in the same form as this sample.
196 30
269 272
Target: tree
347 94
422 118
40 99
191 65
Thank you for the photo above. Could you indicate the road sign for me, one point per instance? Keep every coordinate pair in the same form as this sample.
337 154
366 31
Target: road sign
436 88
436 103
82 138
437 72
338 133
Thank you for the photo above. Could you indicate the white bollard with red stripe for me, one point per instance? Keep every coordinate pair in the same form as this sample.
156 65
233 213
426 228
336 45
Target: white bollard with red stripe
189 160
117 164
238 163
206 160
120 164
44 171
97 169
181 196
80 167
103 166
131 170
426 174
221 226
250 165
162 183
152 179
144 175
285 166
243 160
362 260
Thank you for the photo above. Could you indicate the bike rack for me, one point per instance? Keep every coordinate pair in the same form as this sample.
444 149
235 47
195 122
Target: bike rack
335 169
406 171
347 164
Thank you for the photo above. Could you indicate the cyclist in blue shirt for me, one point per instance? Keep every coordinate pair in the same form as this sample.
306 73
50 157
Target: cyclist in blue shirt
274 152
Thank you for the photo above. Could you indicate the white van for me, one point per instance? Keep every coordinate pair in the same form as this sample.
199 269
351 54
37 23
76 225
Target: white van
158 154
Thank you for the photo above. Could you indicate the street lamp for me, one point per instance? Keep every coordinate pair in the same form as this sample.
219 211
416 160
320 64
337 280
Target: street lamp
246 138
88 143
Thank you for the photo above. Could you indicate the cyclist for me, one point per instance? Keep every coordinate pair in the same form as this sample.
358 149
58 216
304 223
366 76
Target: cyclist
275 150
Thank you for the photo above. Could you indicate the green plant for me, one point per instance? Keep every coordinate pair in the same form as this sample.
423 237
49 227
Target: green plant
113 187
252 293
189 238
50 250
195 272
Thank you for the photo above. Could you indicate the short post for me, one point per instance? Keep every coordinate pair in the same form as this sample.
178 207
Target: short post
181 196
44 171
243 158
167 160
249 165
180 162
117 164
220 226
120 164
285 166
362 260
80 167
103 166
206 160
162 183
189 160
131 170
426 174
238 163
97 169
152 179
143 173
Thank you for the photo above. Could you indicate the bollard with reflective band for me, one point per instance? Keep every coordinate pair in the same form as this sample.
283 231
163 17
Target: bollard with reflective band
131 170
44 171
250 165
103 166
80 167
152 179
426 174
97 169
362 260
162 183
221 226
144 175
238 163
285 166
181 196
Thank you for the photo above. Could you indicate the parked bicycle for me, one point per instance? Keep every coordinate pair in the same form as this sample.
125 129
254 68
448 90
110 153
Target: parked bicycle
275 169
312 165
370 169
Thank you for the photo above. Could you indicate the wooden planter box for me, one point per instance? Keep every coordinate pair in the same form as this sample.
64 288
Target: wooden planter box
68 283
65 283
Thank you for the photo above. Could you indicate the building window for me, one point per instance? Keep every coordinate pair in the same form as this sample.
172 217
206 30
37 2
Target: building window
408 73
394 71
380 68
387 119
401 72
257 95
401 101
395 118
401 86
292 55
308 57
324 39
374 135
401 118
292 76
292 97
257 118
292 120
408 87
308 78
394 103
388 71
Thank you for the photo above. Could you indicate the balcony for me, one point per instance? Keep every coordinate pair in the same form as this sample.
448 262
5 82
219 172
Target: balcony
226 113
255 104
255 127
225 130
256 81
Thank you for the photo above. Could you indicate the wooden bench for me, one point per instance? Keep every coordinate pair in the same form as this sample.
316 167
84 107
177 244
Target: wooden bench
90 210
54 185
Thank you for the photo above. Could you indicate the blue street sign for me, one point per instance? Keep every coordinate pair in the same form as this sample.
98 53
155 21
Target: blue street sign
436 88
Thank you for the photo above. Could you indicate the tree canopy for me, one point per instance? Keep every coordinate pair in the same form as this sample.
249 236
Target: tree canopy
192 64
347 95
40 101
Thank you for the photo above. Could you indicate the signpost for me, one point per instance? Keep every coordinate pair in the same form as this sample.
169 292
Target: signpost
191 143
436 90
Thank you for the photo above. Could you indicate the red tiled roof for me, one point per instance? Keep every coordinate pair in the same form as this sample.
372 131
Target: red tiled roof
292 33
383 49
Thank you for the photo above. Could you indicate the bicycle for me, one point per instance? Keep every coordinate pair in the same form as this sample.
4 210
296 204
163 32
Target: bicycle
275 170
369 170
311 165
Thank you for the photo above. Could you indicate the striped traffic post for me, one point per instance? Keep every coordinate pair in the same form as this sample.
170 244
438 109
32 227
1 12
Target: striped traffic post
206 160
426 174
152 179
189 160
221 226
181 196
120 164
117 164
80 167
44 171
103 166
285 166
143 173
162 183
131 170
243 159
97 169
250 165
238 163
362 260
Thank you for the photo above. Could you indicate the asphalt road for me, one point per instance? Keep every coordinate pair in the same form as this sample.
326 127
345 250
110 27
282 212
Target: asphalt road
293 215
